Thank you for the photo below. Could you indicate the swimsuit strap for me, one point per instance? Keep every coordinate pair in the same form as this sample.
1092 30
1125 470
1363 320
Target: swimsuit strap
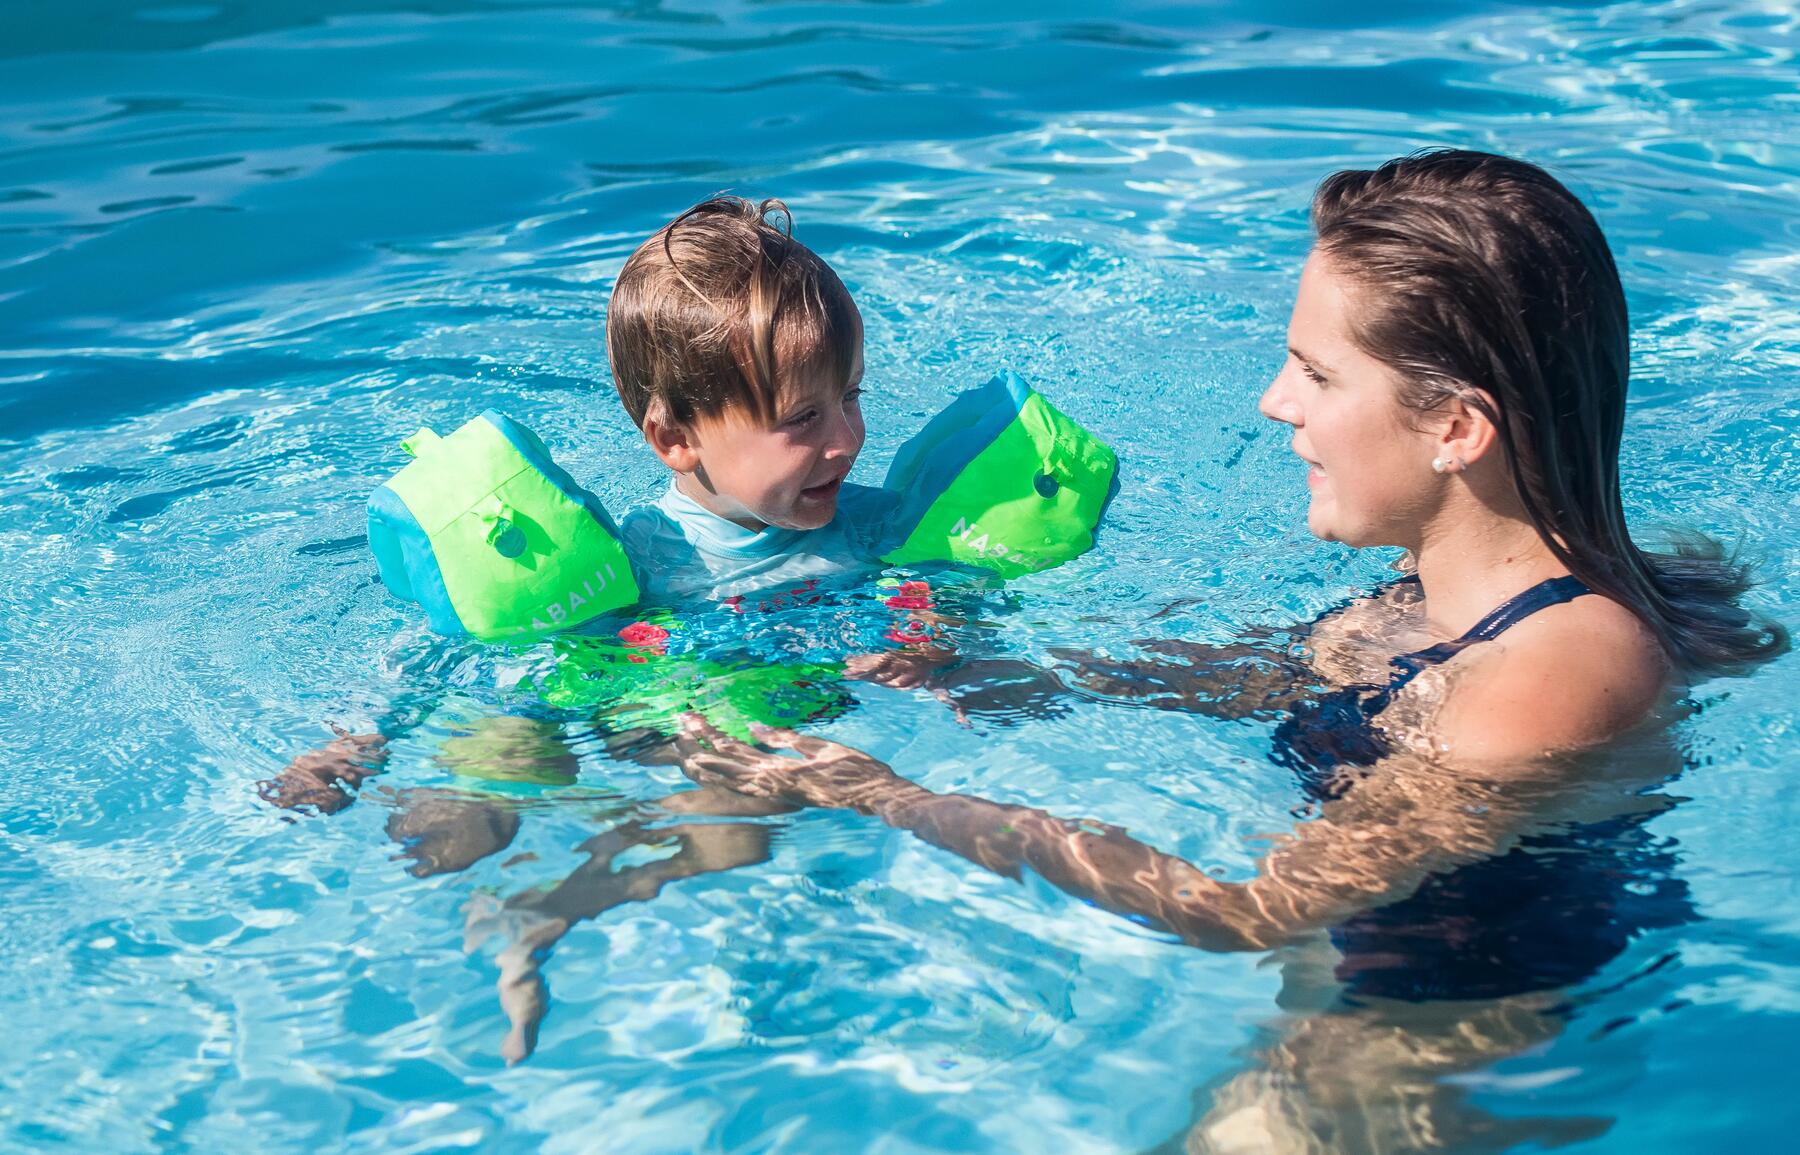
1552 592
1516 609
1338 730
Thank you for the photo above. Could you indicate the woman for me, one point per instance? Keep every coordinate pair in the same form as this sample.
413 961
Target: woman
1455 385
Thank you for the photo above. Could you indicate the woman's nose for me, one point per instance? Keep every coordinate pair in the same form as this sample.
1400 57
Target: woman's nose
1276 405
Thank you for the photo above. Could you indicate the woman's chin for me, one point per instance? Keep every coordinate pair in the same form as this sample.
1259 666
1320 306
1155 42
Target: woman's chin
1318 523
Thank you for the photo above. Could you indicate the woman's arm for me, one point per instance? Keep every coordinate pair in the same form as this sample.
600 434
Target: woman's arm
1231 681
1264 673
1405 820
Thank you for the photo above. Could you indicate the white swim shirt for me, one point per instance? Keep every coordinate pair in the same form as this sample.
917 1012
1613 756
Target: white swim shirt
684 552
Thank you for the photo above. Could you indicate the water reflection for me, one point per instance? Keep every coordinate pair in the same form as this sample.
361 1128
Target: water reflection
1449 908
1387 1010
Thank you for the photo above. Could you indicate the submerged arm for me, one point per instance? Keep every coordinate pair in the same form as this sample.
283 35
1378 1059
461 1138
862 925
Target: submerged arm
1230 681
1406 820
325 779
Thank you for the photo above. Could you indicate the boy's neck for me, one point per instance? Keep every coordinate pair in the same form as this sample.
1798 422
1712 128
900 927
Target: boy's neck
694 490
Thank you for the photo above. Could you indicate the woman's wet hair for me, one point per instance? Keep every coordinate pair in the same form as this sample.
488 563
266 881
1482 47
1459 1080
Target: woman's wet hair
1483 273
719 308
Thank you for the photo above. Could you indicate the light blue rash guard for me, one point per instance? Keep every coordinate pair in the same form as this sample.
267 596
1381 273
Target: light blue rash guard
684 552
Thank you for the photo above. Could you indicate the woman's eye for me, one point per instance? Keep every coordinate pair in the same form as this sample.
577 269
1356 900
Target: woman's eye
1312 373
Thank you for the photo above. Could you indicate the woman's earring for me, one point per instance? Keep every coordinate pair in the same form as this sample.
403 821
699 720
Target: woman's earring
1438 465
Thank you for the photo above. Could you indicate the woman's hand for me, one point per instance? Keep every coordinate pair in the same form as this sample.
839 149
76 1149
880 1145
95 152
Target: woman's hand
825 774
898 669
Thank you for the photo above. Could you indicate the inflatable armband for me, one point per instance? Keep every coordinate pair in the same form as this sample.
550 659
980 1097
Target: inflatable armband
639 685
493 539
1000 479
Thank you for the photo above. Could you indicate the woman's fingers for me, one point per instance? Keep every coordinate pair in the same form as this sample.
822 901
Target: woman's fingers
698 728
801 744
777 736
710 769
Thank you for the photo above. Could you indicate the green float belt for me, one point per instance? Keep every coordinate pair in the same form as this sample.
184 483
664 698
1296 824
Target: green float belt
652 690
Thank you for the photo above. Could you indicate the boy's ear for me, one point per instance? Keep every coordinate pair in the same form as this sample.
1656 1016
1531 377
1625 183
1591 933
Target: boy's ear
676 444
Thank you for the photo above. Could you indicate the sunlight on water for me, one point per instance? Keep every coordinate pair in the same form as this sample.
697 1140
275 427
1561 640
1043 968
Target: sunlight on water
246 248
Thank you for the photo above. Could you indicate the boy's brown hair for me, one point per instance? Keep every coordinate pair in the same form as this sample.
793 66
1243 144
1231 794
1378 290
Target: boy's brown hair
721 306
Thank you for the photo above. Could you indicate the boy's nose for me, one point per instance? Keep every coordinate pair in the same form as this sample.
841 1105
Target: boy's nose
844 438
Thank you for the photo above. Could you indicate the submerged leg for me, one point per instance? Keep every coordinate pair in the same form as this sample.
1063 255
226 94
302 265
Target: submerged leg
537 920
444 831
1381 1078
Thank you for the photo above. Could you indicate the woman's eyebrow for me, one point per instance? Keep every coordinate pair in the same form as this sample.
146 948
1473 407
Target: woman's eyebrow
1314 362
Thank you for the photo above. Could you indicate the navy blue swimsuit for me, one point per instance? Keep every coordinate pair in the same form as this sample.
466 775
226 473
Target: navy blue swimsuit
1549 913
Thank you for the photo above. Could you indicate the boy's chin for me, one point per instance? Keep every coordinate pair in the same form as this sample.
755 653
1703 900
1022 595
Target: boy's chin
810 518
806 515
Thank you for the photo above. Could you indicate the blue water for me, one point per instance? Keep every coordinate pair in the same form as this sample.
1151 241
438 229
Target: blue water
245 247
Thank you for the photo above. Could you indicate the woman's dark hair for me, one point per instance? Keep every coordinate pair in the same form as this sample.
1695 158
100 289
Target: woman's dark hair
1480 272
720 307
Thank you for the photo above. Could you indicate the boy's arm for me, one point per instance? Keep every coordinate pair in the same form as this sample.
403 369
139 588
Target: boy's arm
323 780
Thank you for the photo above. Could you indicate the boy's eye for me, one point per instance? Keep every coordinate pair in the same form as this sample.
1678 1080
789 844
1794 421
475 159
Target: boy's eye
854 394
803 420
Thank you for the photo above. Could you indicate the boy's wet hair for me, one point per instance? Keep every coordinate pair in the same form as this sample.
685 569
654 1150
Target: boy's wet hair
720 307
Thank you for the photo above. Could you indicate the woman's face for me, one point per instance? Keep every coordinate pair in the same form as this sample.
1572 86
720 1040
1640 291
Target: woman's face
1369 457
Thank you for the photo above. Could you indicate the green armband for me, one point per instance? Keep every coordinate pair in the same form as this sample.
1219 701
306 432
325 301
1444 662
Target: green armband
493 538
1001 479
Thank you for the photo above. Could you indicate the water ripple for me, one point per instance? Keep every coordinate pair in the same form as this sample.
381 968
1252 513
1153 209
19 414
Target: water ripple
243 248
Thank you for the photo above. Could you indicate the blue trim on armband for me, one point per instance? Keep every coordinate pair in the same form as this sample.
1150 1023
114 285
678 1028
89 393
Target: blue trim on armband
384 543
538 457
1112 491
932 459
405 552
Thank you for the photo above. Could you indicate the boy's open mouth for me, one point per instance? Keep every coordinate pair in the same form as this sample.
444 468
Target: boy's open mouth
822 491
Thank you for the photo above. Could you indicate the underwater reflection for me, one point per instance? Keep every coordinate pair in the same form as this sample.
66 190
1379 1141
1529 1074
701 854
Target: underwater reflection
1380 1078
1433 918
1379 1015
445 830
1384 1012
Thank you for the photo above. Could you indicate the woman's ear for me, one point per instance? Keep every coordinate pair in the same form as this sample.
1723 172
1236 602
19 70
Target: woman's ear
1467 433
676 444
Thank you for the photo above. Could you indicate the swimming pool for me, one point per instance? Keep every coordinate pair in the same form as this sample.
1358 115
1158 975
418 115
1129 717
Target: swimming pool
245 248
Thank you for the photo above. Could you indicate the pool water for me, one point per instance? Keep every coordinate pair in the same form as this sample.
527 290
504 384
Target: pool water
246 247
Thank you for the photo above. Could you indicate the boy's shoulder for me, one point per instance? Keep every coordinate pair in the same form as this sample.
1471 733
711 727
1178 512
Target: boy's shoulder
647 519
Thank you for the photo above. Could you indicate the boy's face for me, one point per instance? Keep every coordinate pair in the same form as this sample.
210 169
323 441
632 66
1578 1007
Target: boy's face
787 473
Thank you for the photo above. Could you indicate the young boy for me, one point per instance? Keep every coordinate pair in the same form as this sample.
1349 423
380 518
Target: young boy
738 353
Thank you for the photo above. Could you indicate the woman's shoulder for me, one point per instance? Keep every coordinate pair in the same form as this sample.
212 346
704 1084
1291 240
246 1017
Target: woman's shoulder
1568 677
1353 642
